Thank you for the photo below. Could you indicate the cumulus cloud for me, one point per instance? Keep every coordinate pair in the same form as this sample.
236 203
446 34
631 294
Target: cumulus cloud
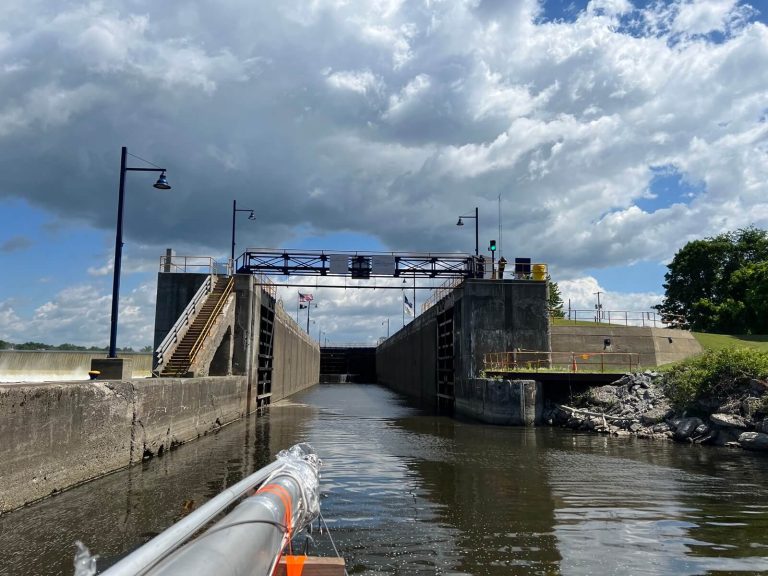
390 118
618 307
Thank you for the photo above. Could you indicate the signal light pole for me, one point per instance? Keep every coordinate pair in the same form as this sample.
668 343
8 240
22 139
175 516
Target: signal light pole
492 248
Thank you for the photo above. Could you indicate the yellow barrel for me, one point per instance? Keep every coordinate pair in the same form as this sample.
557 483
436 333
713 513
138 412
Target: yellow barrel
540 272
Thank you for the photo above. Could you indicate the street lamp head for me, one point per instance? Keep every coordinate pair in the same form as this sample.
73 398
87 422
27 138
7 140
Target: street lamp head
251 216
460 222
162 183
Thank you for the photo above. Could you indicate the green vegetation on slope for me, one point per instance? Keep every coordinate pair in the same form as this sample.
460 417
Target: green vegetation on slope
703 382
721 341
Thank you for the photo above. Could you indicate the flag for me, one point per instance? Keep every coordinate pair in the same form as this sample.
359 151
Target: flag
305 297
408 305
302 306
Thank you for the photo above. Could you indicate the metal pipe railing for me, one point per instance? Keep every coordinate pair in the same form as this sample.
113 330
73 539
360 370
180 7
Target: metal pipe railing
518 361
621 318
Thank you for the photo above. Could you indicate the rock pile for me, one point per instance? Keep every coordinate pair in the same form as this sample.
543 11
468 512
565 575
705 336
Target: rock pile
636 405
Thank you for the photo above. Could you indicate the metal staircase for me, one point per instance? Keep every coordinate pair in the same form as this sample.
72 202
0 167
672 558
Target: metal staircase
185 352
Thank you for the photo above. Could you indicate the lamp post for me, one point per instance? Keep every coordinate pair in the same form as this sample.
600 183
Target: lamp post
477 241
387 322
161 184
235 210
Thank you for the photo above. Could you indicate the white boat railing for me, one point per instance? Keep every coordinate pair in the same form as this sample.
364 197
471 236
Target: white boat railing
282 498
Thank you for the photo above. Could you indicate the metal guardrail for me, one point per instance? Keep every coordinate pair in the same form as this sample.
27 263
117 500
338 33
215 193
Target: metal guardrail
182 324
266 285
440 292
533 361
199 264
621 318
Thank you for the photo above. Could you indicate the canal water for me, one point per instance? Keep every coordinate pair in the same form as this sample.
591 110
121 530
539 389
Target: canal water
407 492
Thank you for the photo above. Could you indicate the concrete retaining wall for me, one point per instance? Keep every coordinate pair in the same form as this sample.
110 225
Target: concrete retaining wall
656 346
57 435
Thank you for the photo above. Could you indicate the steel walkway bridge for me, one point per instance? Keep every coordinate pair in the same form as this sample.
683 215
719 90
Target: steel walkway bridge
359 265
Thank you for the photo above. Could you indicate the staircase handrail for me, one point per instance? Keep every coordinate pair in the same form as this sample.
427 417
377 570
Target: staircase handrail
183 322
211 319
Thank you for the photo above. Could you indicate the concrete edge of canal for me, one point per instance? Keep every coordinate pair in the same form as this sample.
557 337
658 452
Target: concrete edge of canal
58 435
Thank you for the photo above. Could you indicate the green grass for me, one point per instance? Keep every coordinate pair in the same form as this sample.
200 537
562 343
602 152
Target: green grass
721 341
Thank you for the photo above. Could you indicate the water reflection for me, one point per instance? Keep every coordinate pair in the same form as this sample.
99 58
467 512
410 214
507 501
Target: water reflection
406 492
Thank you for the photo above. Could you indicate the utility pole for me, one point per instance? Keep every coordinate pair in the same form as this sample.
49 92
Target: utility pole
501 244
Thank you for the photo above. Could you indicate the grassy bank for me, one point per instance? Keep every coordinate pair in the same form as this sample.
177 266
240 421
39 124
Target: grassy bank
706 382
722 341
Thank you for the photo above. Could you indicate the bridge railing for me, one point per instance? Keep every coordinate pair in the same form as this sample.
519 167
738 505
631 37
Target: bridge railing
650 319
198 264
533 361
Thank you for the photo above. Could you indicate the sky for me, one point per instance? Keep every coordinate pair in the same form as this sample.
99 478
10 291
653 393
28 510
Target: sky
596 137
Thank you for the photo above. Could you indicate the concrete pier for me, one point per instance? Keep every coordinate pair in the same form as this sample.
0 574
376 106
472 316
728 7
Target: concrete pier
437 358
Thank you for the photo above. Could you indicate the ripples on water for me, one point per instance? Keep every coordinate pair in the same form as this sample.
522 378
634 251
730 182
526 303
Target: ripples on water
405 492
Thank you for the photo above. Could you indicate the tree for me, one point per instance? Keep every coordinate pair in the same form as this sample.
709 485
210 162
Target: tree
6 345
554 299
714 285
32 346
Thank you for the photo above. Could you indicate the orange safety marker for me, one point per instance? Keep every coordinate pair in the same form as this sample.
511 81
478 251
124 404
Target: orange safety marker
294 565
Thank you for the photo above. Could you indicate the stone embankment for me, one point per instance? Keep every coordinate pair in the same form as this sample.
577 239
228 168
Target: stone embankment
636 405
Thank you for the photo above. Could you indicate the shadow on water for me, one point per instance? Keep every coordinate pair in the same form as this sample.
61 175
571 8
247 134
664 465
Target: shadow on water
408 492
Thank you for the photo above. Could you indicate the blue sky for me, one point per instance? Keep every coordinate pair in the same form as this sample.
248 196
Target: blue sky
614 131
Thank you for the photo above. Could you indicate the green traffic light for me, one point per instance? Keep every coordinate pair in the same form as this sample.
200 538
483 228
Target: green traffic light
493 245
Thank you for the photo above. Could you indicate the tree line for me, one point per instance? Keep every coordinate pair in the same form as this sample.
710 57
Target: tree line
719 284
4 345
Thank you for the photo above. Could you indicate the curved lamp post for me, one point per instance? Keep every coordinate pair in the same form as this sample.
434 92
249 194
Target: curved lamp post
461 223
235 210
161 184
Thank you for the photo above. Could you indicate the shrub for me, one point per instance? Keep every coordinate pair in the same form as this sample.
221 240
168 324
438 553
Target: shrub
713 376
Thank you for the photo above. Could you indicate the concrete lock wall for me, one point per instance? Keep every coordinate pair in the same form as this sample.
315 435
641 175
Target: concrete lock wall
655 346
57 435
498 316
488 316
296 357
407 360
